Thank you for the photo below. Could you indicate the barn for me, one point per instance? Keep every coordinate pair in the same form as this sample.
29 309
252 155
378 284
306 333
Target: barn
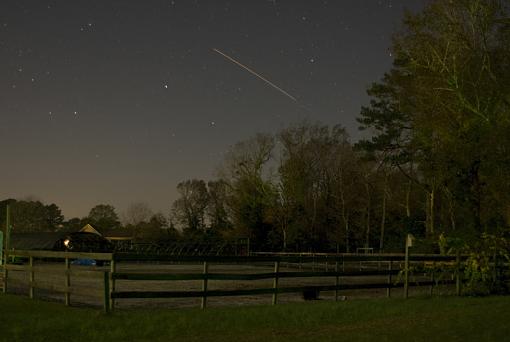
87 239
112 235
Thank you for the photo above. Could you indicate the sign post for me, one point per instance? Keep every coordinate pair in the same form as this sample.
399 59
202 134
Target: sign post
409 244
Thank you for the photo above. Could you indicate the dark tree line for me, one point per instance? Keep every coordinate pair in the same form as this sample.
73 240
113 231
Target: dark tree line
32 215
306 189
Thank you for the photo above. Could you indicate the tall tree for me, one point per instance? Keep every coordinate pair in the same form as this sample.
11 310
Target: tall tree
103 216
217 207
189 209
250 190
137 212
443 104
311 155
155 229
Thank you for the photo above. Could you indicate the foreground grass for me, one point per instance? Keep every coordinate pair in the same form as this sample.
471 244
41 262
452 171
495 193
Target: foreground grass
426 319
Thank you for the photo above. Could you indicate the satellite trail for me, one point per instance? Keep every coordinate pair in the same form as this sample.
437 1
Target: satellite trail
256 74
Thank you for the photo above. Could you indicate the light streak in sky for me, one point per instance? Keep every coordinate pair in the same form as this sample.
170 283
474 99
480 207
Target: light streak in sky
256 74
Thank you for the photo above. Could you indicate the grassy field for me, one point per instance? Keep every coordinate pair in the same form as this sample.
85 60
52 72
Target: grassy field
419 319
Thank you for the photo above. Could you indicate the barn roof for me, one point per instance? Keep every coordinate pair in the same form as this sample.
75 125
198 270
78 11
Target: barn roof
25 241
111 234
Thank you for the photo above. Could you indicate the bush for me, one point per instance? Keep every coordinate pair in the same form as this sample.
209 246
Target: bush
484 266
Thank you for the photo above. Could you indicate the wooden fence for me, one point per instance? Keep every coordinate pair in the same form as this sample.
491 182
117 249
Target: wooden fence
391 262
385 266
27 265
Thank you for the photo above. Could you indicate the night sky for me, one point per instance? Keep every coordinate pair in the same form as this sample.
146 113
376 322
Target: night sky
117 101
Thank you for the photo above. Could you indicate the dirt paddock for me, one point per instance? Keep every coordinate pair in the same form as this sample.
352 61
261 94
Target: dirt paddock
89 290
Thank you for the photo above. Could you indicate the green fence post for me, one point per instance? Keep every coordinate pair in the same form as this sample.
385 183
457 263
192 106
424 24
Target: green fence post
204 285
31 278
496 274
2 271
390 269
275 281
337 281
432 279
106 295
6 271
458 278
1 247
113 269
409 244
67 282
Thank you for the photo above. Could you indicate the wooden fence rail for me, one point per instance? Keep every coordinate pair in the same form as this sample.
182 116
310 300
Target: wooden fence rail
275 290
245 292
244 276
123 257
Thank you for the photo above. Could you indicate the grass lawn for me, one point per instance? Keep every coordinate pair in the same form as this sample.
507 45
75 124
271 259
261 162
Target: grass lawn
419 319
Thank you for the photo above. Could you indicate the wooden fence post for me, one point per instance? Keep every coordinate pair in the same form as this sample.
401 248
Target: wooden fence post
494 268
432 278
106 294
390 269
458 282
67 282
406 266
31 278
6 271
204 285
113 269
337 281
275 281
